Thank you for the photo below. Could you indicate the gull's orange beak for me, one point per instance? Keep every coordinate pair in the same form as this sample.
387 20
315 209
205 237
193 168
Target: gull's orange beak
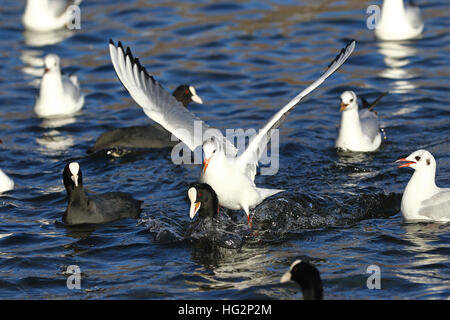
343 106
205 164
46 70
407 164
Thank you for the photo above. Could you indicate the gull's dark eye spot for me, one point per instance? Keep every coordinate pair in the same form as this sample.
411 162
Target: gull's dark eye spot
351 100
214 151
428 162
417 158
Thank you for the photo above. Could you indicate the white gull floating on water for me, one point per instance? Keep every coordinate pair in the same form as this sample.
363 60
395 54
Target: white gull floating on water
422 199
359 130
47 15
399 21
59 94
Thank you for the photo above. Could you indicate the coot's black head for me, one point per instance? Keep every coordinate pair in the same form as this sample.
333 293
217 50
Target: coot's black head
308 277
203 199
186 94
72 176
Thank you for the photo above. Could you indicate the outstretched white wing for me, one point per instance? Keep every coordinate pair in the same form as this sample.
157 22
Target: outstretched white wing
249 159
157 103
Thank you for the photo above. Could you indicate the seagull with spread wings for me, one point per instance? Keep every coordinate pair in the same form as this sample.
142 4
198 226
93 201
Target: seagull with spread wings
230 175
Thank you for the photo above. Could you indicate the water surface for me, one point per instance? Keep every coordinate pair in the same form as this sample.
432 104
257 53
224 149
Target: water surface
246 59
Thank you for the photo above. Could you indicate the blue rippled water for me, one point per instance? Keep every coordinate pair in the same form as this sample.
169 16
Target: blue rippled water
246 59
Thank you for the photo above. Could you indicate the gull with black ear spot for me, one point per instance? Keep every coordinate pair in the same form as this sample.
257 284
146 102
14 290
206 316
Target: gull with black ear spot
101 208
59 94
422 199
308 278
359 130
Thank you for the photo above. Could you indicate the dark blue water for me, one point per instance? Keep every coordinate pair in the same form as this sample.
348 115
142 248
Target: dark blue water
246 59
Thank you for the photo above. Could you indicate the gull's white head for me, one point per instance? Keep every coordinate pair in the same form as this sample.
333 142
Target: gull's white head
419 160
348 101
211 148
51 62
195 96
74 169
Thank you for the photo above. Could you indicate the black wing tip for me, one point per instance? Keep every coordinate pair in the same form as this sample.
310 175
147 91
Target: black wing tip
373 104
142 69
365 103
342 52
351 42
412 3
130 56
118 46
133 60
382 95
